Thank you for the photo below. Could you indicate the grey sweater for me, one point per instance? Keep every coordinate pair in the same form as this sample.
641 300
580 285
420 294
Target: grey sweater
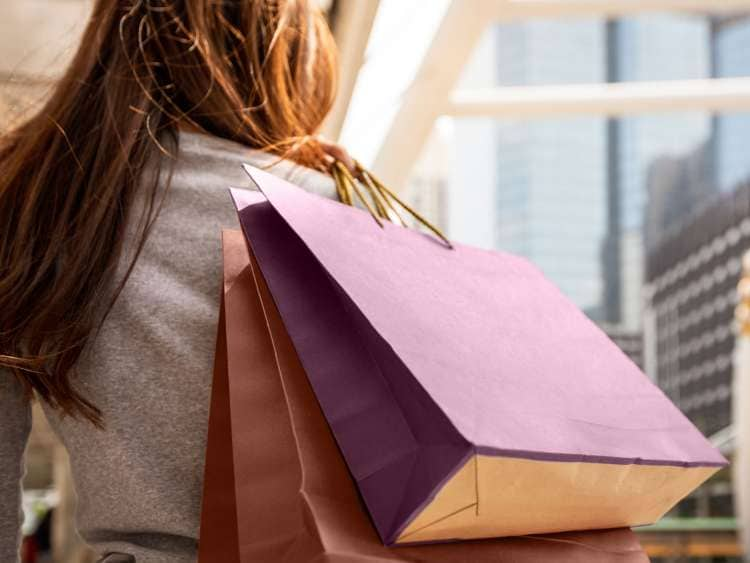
139 481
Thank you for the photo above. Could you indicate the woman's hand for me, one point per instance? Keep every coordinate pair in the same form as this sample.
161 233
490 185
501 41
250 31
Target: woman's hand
339 153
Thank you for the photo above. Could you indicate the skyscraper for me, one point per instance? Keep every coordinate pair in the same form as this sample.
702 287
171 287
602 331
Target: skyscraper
551 206
657 47
731 58
570 193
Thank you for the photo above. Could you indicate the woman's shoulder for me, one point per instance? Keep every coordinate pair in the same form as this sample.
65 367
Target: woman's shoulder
203 158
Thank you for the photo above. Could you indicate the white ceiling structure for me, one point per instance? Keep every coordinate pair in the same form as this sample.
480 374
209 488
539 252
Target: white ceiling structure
390 138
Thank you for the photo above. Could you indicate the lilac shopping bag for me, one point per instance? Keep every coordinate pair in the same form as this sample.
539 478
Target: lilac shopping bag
468 396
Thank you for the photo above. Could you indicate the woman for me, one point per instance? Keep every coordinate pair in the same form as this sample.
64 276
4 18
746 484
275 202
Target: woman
112 199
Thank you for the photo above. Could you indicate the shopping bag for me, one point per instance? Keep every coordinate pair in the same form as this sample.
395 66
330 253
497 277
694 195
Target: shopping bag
469 397
276 487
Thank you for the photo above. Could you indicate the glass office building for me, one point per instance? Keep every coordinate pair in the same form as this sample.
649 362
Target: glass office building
657 47
550 203
571 193
731 58
587 198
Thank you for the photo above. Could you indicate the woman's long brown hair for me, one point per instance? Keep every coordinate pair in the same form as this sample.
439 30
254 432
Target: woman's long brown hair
260 72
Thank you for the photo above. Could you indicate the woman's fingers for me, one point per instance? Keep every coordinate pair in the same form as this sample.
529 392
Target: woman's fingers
339 153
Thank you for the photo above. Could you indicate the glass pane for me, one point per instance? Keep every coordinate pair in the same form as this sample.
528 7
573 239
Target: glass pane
550 52
645 47
660 47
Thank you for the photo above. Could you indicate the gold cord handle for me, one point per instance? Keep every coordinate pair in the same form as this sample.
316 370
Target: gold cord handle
381 202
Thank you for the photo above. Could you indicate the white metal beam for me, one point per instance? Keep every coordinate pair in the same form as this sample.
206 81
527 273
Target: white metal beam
429 96
524 9
623 98
426 98
351 29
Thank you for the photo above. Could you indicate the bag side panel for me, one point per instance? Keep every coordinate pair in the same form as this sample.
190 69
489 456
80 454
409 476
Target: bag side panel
218 531
267 468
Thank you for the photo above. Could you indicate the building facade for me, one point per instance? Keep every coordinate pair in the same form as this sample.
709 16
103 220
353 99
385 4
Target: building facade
570 193
689 341
550 202
691 280
730 42
657 47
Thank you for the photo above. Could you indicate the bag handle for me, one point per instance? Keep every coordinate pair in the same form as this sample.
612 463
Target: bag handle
381 202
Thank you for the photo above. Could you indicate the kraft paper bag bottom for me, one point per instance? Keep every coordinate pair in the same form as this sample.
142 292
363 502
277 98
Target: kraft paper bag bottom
276 486
544 496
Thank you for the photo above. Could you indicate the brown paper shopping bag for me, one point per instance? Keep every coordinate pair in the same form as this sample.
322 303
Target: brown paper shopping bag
276 487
